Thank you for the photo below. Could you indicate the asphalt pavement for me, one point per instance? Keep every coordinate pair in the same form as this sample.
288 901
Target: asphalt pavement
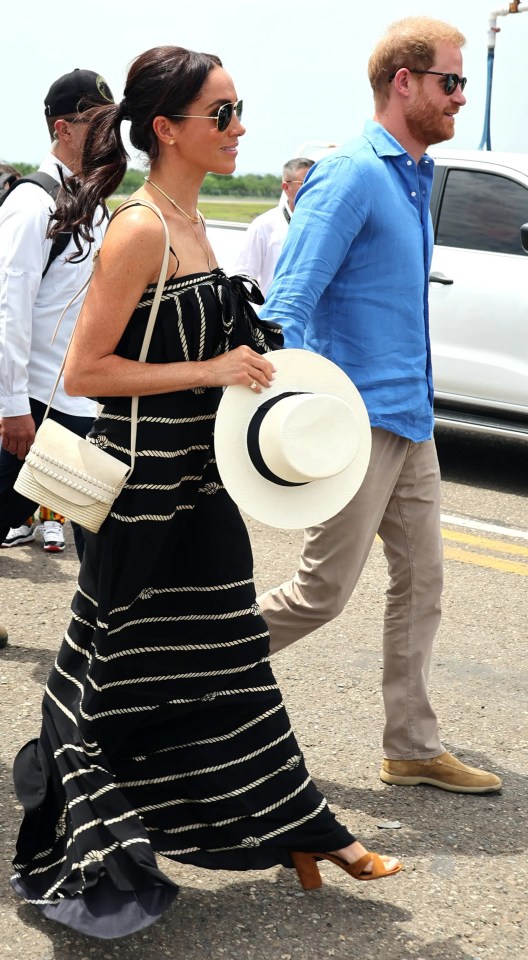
462 895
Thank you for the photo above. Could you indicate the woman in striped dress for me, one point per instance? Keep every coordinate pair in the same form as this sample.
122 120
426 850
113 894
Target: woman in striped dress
163 727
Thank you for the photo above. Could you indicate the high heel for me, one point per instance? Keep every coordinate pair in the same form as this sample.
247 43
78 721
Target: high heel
307 870
310 878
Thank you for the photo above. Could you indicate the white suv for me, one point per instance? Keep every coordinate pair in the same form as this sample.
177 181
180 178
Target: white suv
478 289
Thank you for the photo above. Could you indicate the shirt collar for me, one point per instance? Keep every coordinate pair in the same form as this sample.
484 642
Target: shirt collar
384 144
285 208
51 164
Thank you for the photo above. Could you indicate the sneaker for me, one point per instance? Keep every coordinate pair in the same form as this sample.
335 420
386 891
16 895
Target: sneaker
19 535
3 637
444 771
53 536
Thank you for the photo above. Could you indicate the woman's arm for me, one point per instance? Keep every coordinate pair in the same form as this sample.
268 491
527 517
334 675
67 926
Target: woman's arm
129 260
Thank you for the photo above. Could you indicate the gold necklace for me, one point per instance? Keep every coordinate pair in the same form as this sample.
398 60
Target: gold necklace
205 249
174 204
199 219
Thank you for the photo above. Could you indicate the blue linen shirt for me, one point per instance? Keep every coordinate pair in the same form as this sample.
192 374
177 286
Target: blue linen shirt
352 280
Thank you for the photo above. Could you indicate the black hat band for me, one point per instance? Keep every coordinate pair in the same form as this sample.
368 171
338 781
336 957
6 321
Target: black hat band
253 440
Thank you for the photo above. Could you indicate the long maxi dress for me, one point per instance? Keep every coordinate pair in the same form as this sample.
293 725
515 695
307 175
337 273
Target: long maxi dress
163 729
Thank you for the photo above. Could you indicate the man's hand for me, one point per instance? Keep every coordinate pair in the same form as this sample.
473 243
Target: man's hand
18 434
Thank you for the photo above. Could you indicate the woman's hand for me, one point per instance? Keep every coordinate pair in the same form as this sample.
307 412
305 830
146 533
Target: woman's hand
241 367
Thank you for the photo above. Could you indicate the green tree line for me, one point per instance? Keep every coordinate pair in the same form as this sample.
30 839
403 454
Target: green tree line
267 185
244 185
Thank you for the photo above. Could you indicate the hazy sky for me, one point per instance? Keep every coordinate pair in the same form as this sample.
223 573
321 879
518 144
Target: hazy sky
300 66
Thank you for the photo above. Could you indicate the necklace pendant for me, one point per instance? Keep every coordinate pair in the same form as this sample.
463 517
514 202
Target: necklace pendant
198 219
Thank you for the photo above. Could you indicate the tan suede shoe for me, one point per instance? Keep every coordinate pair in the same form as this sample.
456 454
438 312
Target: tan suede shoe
444 771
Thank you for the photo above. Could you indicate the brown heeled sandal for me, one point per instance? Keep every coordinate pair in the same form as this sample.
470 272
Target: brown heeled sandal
310 878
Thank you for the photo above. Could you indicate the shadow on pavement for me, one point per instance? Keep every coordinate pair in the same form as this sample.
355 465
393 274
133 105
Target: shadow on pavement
41 658
264 920
438 822
481 460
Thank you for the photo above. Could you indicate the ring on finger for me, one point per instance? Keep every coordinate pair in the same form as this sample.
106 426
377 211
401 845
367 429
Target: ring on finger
253 385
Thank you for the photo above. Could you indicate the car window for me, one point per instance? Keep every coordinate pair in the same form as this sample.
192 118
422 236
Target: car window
482 211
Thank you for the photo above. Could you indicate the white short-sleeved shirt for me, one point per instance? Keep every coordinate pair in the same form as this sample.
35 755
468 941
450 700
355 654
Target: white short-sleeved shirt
262 245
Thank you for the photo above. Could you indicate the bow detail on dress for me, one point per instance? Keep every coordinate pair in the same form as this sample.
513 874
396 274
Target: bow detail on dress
241 282
242 326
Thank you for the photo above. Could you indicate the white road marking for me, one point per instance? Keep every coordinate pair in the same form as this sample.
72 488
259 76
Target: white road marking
481 525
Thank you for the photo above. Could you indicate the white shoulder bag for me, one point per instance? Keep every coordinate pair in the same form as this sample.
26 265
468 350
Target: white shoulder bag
68 473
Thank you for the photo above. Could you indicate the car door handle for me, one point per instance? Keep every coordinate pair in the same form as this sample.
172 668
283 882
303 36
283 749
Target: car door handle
439 278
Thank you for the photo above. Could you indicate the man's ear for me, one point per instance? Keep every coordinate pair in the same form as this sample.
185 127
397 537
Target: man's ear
401 81
61 131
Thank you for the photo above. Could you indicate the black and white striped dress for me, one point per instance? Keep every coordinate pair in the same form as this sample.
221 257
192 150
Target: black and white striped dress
163 726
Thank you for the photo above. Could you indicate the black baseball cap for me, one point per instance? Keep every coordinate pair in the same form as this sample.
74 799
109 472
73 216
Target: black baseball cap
76 92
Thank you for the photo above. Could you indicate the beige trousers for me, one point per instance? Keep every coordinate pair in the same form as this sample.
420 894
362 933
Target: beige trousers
400 500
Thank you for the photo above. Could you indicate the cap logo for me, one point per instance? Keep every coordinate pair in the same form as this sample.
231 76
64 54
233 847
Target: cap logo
104 89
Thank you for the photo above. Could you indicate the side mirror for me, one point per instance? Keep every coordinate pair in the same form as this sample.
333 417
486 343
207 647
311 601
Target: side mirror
524 236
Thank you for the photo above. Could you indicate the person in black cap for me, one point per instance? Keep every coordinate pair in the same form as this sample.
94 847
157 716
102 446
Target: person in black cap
34 293
76 92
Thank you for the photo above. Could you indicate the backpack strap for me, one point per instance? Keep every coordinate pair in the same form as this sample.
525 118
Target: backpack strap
51 186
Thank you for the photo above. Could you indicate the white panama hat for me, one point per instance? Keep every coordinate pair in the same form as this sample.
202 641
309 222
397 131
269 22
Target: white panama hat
294 455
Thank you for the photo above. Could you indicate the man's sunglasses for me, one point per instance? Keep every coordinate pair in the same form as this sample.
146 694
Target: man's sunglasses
451 80
223 117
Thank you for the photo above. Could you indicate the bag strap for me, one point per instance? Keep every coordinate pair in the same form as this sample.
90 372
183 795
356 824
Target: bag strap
148 330
51 186
151 320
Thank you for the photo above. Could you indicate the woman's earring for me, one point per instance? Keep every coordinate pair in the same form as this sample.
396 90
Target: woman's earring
171 142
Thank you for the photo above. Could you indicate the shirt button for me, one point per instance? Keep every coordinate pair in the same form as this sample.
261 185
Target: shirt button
413 193
409 163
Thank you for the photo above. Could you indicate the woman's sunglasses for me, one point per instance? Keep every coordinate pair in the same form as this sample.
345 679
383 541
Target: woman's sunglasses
451 80
223 117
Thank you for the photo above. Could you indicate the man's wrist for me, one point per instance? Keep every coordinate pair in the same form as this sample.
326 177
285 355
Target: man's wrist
14 407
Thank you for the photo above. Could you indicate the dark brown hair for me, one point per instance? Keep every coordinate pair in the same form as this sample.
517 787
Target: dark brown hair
163 81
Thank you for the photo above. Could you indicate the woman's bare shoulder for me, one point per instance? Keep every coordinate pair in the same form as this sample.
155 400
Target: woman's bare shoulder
135 236
135 220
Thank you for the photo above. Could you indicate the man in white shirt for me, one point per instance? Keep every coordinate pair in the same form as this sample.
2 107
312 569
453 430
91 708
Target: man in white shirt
266 234
34 292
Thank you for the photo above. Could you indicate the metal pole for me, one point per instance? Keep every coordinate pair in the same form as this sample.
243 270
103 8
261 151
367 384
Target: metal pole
485 142
514 7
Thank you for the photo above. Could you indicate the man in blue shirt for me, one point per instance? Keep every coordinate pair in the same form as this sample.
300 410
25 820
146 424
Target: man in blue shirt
352 284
